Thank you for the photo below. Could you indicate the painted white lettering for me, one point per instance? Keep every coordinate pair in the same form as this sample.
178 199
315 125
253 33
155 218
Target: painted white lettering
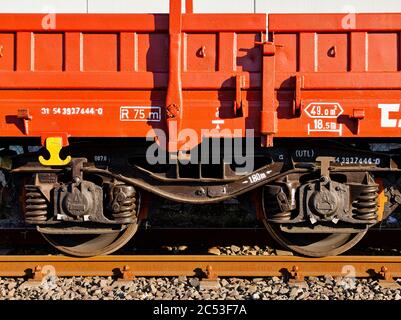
386 121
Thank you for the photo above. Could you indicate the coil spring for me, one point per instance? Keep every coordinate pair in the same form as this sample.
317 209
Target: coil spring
35 205
124 204
365 207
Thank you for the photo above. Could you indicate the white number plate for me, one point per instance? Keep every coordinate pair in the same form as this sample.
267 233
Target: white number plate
139 113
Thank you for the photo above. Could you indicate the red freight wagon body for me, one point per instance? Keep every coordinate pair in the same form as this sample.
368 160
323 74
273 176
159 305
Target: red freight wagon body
102 83
352 71
75 79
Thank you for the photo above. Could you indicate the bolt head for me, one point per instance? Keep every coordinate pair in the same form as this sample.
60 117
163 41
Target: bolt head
200 192
324 179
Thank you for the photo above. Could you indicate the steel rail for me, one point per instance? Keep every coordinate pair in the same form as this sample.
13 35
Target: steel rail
221 266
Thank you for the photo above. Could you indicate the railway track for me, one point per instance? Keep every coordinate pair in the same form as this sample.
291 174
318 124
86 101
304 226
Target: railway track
209 267
204 266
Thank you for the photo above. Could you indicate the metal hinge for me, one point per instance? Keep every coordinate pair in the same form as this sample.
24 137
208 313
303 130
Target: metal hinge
269 48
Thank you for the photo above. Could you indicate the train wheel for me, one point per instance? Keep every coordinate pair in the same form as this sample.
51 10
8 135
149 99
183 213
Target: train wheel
306 244
314 245
87 245
95 244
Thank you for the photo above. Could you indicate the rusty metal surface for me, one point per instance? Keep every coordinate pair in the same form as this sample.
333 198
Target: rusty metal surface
222 266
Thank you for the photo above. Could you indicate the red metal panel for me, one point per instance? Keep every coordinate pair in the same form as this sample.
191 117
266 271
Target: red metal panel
203 109
383 52
87 22
332 51
343 70
24 51
122 80
224 23
73 51
287 52
200 52
343 81
376 22
249 56
307 54
153 52
127 51
76 78
100 52
358 55
48 52
136 22
7 52
227 42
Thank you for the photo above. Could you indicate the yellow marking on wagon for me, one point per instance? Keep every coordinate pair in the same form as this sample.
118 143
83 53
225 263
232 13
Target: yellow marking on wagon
54 146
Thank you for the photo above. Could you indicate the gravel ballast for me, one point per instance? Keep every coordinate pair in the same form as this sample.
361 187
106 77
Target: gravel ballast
183 288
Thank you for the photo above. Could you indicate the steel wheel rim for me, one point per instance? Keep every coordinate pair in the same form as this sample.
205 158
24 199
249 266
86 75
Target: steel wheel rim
331 244
100 244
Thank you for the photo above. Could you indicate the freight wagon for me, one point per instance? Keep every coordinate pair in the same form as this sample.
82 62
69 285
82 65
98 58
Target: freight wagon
301 121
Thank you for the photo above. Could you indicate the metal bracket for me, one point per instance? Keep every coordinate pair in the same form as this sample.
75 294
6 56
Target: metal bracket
357 115
238 104
174 100
297 102
37 274
269 48
296 279
125 276
268 117
211 281
35 280
24 115
325 165
77 165
387 280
